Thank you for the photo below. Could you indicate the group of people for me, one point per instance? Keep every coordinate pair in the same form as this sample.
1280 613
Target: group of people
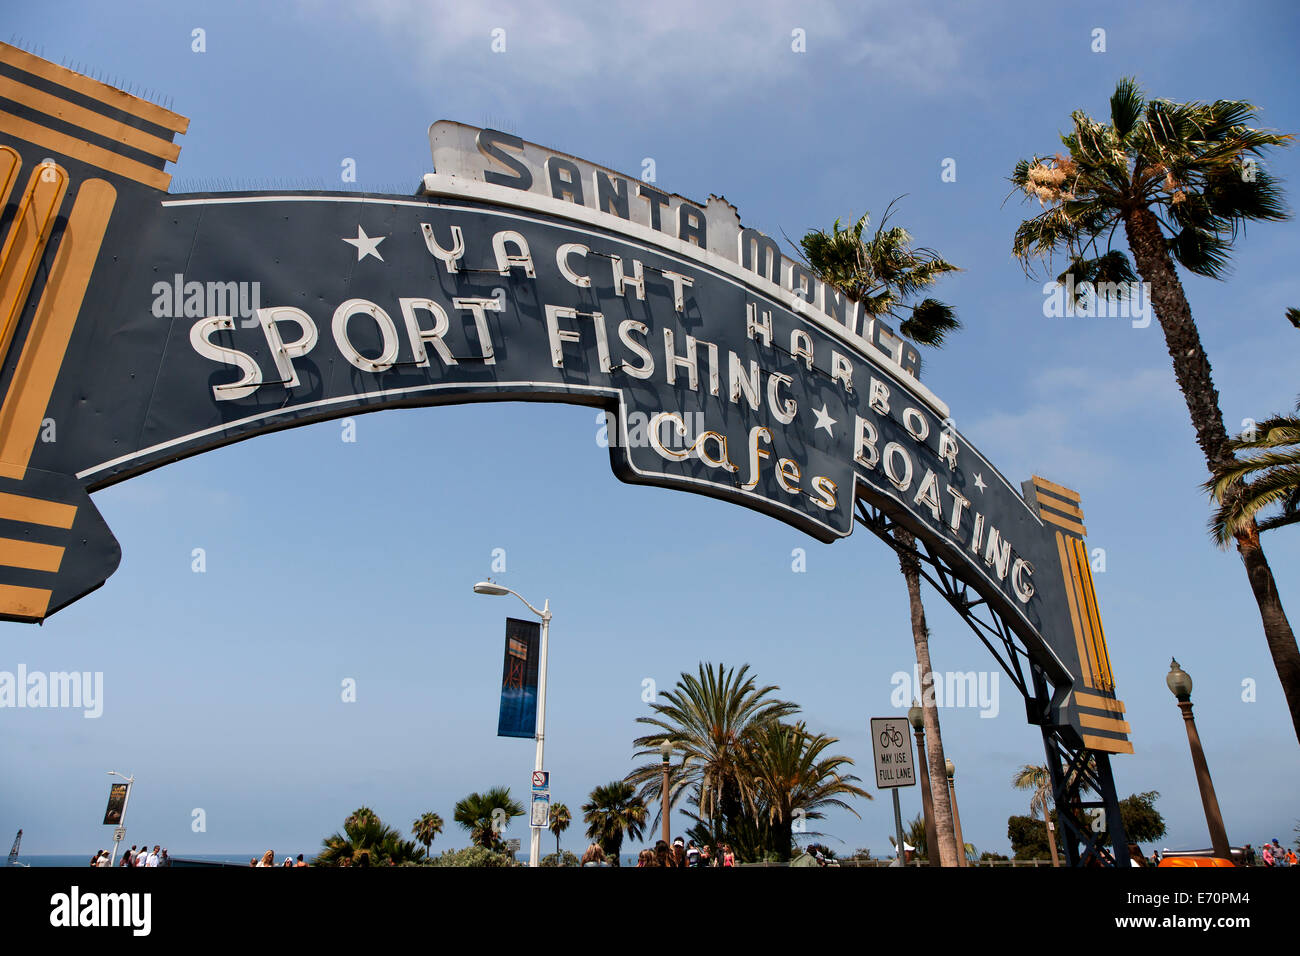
686 853
136 856
1271 854
268 859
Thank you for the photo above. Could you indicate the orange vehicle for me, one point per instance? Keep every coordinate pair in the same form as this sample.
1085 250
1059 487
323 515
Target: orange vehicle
1195 861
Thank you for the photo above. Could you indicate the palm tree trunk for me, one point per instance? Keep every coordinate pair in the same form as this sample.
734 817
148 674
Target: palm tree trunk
1051 831
943 820
1192 370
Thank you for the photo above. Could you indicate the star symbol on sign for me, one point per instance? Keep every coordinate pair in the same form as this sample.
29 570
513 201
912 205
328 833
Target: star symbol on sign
979 481
824 420
366 245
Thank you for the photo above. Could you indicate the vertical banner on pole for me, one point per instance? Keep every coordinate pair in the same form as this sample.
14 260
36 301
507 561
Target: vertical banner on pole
116 803
518 715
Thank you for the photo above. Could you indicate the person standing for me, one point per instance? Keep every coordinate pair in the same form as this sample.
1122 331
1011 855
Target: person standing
728 858
152 859
300 862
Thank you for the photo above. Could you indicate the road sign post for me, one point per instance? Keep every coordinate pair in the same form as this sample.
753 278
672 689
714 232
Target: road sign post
891 746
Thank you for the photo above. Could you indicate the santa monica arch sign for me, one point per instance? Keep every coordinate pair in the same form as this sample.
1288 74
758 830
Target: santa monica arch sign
139 327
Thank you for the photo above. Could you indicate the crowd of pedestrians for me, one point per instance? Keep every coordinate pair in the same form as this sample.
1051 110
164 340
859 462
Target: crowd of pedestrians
681 853
1271 854
268 859
143 856
136 856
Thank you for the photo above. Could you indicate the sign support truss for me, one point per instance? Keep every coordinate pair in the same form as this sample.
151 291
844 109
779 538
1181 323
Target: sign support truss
1074 770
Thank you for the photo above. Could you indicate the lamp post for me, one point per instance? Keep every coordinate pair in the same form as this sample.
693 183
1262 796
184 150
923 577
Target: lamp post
916 717
1180 685
956 817
487 587
130 785
666 751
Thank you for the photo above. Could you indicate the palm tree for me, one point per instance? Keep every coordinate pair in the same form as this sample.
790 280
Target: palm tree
486 814
705 718
1182 179
613 810
426 828
885 274
366 841
560 820
1036 778
793 778
1269 477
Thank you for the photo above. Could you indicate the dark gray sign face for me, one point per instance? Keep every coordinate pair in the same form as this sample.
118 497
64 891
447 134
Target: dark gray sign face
208 319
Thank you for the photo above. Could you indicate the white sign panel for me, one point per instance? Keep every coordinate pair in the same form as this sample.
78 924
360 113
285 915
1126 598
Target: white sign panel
891 744
541 815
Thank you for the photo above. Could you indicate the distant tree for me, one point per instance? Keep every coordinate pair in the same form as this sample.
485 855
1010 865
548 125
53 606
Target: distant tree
473 856
987 855
915 835
367 841
1028 838
1142 822
426 828
614 809
560 819
1035 777
564 858
478 812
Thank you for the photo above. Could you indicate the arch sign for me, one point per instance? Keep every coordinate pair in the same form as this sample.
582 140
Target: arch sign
141 327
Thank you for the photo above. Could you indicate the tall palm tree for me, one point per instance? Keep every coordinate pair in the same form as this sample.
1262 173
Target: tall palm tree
885 274
793 778
366 841
1036 778
613 810
479 812
426 828
706 717
1182 179
560 819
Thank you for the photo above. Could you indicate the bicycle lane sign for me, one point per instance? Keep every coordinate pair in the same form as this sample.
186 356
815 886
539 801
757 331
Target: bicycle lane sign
891 744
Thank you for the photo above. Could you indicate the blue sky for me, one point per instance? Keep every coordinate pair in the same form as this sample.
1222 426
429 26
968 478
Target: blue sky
329 560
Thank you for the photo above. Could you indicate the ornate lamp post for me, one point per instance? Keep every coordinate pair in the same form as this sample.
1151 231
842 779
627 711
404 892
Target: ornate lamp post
666 751
1180 685
956 817
916 717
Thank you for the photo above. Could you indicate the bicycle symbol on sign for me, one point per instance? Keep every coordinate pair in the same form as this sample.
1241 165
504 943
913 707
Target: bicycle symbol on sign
891 737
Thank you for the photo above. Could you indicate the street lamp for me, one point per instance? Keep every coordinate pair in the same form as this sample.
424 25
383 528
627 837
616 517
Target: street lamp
1180 685
916 717
496 590
666 751
956 817
130 785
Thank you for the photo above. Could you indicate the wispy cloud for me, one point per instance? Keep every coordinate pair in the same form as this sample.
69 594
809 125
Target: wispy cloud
679 50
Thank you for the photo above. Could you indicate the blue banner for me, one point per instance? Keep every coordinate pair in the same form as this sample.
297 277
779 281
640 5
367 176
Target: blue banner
518 717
